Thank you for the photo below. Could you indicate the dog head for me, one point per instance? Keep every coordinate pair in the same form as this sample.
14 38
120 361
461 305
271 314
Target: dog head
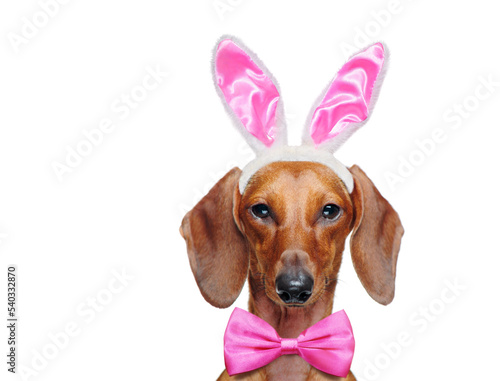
285 218
289 228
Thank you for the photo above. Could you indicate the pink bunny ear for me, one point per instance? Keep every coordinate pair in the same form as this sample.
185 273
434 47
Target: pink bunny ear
347 100
248 91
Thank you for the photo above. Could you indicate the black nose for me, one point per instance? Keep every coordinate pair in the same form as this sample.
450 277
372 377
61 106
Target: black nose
294 287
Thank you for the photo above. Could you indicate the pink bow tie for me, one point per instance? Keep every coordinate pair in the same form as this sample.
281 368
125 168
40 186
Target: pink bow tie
251 343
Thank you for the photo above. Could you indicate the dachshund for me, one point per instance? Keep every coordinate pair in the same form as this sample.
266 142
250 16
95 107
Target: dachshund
285 232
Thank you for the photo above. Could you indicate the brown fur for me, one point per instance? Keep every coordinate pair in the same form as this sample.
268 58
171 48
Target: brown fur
226 242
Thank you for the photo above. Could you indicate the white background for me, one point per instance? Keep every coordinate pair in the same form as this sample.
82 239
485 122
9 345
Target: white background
121 207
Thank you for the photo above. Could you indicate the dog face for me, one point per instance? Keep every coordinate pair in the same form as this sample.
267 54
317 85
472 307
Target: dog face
296 217
289 228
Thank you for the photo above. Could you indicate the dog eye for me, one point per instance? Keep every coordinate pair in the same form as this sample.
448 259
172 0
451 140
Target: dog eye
260 210
331 211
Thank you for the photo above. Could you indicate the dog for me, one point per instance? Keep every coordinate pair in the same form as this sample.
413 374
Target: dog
284 230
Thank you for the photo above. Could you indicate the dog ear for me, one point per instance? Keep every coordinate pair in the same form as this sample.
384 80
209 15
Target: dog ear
375 239
217 250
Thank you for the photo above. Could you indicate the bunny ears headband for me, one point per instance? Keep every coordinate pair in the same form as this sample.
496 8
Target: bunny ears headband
253 98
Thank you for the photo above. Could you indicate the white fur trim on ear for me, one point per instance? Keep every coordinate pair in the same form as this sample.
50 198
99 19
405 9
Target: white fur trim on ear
333 145
280 131
296 153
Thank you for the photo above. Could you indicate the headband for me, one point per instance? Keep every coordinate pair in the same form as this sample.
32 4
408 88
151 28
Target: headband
251 96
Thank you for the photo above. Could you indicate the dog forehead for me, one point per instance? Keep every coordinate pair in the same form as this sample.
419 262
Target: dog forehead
289 178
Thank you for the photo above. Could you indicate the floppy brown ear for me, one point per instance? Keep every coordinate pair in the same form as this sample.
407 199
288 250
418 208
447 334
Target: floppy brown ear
375 239
217 250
